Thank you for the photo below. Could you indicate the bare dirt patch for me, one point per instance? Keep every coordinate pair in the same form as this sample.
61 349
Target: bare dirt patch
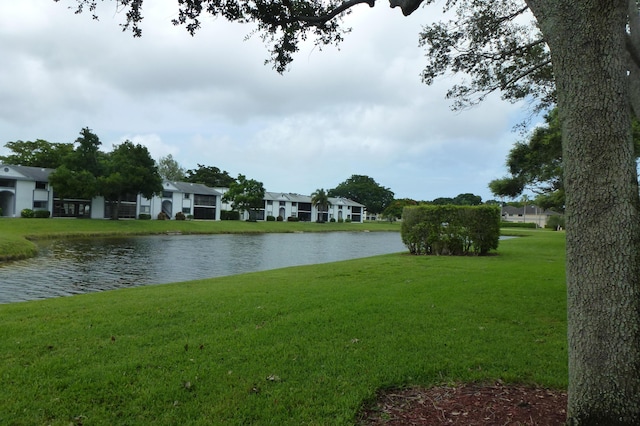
468 404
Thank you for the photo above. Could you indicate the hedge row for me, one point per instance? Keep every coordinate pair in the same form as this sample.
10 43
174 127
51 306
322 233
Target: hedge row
450 230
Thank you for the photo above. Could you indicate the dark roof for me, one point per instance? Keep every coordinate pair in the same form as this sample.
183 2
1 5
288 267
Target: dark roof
39 174
195 188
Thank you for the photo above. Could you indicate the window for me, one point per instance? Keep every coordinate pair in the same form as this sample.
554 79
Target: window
186 210
186 196
41 185
145 209
294 204
269 203
39 205
7 183
167 194
282 204
204 200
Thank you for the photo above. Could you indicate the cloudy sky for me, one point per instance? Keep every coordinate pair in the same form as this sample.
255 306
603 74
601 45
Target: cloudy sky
210 99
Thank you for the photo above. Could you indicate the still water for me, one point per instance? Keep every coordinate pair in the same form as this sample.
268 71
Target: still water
68 267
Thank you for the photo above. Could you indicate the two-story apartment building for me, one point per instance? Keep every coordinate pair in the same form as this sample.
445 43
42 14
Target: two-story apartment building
28 188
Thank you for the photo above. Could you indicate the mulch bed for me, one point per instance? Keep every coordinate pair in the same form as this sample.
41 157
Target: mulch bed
468 404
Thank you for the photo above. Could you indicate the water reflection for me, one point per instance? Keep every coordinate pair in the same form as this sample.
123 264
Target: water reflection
67 267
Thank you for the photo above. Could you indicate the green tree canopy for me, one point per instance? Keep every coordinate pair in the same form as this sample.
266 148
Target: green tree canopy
129 169
169 169
38 153
364 190
394 210
210 176
86 154
245 195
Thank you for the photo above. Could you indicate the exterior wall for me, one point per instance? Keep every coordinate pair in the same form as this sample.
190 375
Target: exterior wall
532 214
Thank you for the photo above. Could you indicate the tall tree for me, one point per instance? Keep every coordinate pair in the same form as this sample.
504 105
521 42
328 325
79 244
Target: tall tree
586 57
86 154
394 210
245 195
38 153
210 176
130 170
169 169
364 190
320 200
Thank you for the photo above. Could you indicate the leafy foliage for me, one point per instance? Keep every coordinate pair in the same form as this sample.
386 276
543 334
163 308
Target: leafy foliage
364 190
169 169
281 24
394 210
38 153
209 176
451 230
129 170
496 46
245 195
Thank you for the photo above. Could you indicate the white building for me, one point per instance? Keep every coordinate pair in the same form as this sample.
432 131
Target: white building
24 188
28 188
527 214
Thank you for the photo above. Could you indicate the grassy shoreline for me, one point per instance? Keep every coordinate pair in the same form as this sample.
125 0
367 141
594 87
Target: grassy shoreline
300 345
17 234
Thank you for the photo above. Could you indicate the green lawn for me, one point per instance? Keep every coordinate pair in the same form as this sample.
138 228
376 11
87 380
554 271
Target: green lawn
301 345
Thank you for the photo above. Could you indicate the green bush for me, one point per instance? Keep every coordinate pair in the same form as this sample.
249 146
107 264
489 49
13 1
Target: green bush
280 219
271 218
292 219
189 217
144 216
27 213
348 220
42 214
450 230
555 222
180 216
162 216
229 215
518 225
341 220
332 220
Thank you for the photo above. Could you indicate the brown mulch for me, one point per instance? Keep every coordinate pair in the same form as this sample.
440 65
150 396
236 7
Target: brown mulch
468 404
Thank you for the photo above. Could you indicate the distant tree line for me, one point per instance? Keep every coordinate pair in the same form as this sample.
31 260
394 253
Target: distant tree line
82 170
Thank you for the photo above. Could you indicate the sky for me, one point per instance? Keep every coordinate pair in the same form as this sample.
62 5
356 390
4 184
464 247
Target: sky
210 99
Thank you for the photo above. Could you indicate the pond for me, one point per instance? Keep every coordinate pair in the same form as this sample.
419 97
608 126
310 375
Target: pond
75 266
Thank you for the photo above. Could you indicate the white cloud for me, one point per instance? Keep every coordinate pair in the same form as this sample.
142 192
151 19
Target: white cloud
209 99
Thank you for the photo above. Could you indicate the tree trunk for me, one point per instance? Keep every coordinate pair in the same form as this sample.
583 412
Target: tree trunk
587 45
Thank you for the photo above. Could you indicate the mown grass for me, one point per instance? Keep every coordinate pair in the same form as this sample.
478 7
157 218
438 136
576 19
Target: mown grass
16 234
301 345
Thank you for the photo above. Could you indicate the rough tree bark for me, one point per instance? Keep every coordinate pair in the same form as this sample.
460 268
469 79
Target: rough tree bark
587 43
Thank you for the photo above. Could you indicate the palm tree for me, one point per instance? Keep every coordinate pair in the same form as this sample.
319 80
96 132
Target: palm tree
320 200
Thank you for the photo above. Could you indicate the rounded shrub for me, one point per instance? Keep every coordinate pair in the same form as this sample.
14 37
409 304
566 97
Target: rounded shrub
180 216
162 216
271 218
42 214
27 213
144 216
